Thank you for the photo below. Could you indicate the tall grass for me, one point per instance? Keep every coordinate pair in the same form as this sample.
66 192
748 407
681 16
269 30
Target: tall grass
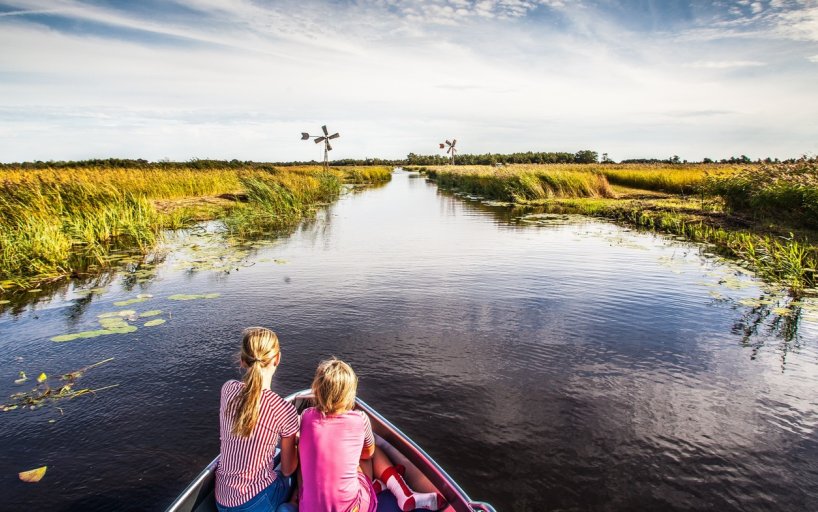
784 260
523 183
371 174
782 191
674 179
55 221
276 200
585 189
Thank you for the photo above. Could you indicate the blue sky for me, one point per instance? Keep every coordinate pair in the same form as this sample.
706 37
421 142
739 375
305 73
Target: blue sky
214 79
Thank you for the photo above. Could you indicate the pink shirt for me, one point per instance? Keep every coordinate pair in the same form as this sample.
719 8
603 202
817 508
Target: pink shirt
246 465
330 450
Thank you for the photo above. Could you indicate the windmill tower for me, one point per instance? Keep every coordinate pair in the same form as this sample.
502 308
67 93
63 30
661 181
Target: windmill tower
322 138
452 150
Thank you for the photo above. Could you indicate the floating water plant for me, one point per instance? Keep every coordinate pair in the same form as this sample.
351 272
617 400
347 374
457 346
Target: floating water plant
153 312
45 392
95 333
151 323
181 296
33 475
128 302
113 322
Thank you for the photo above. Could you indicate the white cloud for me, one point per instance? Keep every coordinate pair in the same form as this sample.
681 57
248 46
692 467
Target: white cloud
725 64
255 75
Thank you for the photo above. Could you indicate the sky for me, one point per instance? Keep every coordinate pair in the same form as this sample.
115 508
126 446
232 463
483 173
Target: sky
184 79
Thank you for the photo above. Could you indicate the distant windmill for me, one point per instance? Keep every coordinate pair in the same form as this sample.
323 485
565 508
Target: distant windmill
322 138
452 150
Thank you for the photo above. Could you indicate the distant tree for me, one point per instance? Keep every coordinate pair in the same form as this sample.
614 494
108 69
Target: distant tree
586 156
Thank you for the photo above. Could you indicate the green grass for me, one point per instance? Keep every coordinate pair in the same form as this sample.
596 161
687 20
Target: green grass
57 222
523 183
788 191
776 255
779 259
672 178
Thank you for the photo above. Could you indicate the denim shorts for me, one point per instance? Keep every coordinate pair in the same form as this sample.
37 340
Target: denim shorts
267 500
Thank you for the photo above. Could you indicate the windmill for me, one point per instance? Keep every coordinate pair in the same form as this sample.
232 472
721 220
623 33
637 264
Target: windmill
452 150
322 138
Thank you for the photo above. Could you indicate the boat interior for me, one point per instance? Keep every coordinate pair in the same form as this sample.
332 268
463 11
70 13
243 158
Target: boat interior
422 473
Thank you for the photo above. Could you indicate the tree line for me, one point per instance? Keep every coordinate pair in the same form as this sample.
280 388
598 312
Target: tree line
586 156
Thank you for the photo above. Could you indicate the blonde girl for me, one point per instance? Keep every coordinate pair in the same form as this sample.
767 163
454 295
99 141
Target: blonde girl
252 421
338 454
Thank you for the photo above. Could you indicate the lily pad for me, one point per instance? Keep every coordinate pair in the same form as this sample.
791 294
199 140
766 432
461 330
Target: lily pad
151 323
181 296
33 475
281 261
112 323
153 312
130 301
122 329
144 296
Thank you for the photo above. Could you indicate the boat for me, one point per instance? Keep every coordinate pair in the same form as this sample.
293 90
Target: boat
423 474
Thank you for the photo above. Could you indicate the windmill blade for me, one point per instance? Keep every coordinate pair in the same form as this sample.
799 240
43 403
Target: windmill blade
325 130
447 142
454 142
442 145
329 148
448 150
305 135
334 136
319 139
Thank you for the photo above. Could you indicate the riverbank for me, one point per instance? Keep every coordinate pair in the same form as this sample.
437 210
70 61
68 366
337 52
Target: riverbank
58 222
764 216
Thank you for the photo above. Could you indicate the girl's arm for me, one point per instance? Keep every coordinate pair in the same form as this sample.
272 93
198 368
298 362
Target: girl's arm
289 455
368 451
369 439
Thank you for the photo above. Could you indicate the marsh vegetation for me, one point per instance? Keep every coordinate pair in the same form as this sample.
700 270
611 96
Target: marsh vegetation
764 215
65 220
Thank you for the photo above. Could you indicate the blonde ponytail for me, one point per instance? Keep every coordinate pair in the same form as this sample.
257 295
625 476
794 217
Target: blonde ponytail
259 346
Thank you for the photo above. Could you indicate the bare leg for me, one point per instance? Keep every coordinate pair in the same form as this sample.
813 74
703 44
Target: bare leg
380 461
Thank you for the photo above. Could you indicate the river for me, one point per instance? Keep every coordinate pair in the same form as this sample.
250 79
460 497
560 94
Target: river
548 362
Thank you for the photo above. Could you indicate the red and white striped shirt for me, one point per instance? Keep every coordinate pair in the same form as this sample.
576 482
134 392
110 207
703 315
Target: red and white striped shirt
246 466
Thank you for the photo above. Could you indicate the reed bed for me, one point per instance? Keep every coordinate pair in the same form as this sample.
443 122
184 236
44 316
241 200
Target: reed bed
57 221
780 259
786 191
768 191
524 183
672 178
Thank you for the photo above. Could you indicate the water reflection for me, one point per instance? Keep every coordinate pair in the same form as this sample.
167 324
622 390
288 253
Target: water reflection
547 361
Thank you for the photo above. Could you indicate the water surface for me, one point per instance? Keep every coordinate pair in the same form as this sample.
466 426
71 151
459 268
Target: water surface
548 363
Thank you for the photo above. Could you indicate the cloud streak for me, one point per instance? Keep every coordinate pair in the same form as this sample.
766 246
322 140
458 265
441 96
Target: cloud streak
237 80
